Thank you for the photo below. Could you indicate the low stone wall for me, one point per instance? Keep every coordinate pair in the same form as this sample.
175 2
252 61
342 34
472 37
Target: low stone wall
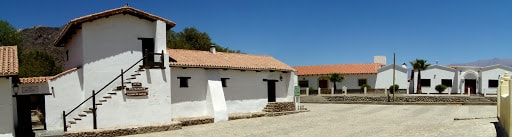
447 99
194 120
123 131
236 116
279 107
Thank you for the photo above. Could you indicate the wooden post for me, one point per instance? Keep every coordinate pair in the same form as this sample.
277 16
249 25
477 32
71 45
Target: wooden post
162 60
64 121
122 79
94 124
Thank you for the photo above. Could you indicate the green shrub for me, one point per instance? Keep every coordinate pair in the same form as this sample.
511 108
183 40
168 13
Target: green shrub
440 88
365 85
393 86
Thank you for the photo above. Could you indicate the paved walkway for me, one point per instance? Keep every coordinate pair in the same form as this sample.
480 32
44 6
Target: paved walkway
357 120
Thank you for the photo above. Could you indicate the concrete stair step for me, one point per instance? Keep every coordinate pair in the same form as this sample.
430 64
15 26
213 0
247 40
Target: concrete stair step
135 75
77 118
112 93
82 114
88 111
99 104
107 97
102 100
72 122
130 78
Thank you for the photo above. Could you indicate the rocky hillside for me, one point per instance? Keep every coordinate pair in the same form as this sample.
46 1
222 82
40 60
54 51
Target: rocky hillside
486 62
41 38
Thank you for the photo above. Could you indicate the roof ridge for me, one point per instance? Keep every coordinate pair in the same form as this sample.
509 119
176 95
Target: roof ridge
340 64
220 52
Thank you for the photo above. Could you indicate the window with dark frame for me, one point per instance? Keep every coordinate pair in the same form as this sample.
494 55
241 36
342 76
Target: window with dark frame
223 80
493 83
425 82
183 82
304 83
361 82
446 82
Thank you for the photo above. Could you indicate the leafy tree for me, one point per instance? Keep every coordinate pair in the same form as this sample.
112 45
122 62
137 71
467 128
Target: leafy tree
8 34
37 63
419 65
335 77
192 38
365 85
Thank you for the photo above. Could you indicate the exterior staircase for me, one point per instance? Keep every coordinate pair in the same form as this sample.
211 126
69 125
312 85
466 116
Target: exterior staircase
136 87
281 107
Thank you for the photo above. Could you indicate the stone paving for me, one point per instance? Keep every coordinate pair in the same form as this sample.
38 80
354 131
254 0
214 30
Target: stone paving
357 120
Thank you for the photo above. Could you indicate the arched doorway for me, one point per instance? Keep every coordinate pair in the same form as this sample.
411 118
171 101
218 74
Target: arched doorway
469 82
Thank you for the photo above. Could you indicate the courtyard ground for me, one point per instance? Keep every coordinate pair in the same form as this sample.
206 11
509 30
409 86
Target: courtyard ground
357 120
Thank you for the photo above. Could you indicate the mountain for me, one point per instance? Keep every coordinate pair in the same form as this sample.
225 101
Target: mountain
41 38
486 62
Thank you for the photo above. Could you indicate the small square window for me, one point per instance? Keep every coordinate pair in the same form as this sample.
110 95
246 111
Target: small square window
183 81
446 82
361 82
425 82
304 83
493 83
223 80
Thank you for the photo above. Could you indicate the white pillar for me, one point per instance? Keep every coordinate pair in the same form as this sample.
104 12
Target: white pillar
462 91
307 91
428 93
319 90
385 91
485 92
332 91
344 90
365 90
469 92
449 91
407 90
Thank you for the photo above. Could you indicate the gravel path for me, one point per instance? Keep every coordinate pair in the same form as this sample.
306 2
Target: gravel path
357 120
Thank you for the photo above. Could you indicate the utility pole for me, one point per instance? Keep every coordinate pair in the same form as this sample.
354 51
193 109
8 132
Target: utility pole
394 68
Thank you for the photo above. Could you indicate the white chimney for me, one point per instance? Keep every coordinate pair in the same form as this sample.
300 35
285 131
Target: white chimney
212 49
379 59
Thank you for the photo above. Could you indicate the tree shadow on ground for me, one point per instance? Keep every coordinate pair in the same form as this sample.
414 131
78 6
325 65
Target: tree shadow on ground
500 131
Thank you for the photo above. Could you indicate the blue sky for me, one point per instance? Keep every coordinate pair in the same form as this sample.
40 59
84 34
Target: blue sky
308 32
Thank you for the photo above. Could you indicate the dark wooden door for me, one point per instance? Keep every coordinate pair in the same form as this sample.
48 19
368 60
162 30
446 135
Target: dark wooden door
470 84
323 84
148 46
271 89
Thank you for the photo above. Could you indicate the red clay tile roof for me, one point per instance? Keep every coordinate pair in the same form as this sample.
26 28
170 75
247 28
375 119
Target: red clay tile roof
74 24
33 80
338 68
206 59
44 79
8 60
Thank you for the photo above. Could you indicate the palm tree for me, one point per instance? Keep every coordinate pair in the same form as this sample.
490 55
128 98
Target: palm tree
419 65
335 77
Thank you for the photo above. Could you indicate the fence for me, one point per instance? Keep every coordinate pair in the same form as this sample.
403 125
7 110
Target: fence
504 103
345 91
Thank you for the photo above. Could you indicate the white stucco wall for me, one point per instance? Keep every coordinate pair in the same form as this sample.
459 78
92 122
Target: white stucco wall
385 78
75 48
245 92
492 74
436 74
6 107
350 81
66 94
108 45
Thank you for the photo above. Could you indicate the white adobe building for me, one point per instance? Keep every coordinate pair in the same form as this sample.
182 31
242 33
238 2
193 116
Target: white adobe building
120 56
385 77
354 75
8 76
462 79
217 84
